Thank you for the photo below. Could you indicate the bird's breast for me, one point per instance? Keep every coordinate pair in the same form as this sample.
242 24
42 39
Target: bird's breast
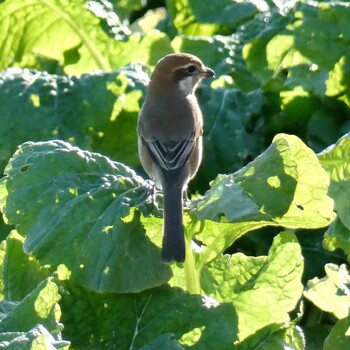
170 119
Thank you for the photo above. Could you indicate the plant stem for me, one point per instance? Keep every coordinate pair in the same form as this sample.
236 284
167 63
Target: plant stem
191 274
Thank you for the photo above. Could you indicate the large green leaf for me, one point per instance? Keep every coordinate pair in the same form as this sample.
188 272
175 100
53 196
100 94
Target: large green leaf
275 189
77 208
281 67
262 289
161 315
96 111
284 186
67 32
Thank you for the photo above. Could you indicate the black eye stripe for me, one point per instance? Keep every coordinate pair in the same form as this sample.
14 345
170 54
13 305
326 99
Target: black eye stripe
183 72
191 69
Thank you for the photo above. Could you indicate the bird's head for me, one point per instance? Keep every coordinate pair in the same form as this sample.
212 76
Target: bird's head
180 71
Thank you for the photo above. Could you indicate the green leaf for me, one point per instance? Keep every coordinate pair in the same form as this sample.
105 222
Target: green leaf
287 51
331 293
226 13
321 32
21 273
38 338
67 32
42 25
2 257
219 236
299 105
262 289
95 111
165 341
231 130
275 337
152 19
323 129
336 161
284 193
184 20
337 236
217 17
284 186
78 209
115 13
156 316
38 307
339 337
338 81
267 53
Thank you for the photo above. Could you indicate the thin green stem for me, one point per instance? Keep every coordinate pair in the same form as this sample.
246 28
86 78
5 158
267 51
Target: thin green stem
191 273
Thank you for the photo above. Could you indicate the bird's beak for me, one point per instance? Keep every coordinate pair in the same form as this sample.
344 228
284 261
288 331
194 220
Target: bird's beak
209 72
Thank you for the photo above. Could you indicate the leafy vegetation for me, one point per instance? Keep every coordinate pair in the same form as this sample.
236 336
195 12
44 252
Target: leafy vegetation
267 229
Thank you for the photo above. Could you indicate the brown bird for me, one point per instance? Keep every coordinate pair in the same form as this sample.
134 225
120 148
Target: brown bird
170 127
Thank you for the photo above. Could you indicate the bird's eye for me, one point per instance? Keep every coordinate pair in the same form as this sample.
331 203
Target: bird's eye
191 69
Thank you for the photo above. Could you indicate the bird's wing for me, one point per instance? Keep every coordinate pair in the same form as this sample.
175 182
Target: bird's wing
170 155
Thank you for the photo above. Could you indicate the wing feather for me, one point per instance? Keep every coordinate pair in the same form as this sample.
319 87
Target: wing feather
171 155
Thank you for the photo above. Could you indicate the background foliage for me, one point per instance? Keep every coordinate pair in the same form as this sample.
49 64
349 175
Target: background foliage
81 233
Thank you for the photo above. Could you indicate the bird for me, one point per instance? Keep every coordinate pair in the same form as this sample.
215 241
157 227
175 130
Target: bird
170 129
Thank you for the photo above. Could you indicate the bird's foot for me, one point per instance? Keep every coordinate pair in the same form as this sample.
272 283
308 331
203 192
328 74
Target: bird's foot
186 201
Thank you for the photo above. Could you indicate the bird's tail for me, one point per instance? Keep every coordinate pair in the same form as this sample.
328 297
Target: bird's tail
173 228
